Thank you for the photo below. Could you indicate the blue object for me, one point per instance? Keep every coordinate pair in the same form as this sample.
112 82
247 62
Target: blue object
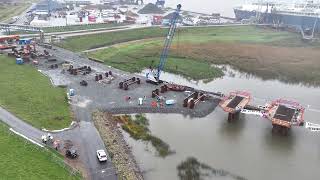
170 102
19 61
72 92
167 44
25 41
165 22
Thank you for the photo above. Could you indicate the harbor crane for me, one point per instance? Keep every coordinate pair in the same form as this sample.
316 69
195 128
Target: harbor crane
154 75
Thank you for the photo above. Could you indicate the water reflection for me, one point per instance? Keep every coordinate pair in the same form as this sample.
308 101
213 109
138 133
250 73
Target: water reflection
233 129
231 72
280 144
246 147
192 169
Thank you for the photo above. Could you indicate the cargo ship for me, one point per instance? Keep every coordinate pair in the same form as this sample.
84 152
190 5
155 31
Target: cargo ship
304 15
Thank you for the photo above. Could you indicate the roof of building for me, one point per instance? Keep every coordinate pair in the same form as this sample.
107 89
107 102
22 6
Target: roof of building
150 9
48 5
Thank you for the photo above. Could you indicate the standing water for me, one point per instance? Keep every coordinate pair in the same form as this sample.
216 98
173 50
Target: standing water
246 148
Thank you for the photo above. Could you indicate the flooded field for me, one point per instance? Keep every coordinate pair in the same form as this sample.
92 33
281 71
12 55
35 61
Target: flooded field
246 148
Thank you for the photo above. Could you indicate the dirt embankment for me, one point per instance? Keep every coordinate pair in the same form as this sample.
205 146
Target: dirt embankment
118 149
291 64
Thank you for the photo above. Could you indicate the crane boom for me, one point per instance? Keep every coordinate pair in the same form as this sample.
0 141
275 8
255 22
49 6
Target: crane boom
168 41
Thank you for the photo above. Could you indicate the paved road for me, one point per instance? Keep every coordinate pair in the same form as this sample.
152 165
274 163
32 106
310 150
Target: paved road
85 137
90 143
20 126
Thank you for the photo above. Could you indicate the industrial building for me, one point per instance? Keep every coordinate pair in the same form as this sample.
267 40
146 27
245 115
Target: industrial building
48 6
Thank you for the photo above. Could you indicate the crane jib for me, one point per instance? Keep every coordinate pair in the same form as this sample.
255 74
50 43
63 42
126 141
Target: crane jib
168 42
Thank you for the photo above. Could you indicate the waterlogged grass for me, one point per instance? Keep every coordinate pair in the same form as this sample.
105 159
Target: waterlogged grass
137 127
191 168
267 53
29 94
23 160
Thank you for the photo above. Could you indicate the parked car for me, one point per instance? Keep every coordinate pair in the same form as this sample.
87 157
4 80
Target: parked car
102 156
71 153
83 83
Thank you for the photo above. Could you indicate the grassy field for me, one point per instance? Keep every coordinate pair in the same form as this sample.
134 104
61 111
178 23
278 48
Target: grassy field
72 28
8 11
30 95
22 160
134 57
264 52
198 35
81 43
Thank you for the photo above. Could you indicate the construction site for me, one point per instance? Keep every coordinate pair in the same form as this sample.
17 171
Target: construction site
96 92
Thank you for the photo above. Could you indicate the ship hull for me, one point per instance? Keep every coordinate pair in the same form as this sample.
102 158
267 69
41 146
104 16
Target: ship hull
285 19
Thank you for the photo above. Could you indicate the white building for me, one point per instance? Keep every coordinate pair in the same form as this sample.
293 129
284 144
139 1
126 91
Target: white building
109 1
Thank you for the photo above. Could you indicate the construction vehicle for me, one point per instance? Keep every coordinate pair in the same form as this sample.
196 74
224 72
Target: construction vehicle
154 75
83 83
9 42
71 153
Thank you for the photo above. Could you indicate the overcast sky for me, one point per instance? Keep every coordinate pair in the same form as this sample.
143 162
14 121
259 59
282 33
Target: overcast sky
224 7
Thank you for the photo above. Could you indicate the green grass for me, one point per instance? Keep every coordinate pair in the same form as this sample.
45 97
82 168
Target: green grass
30 95
138 56
138 129
247 48
81 43
9 11
249 34
134 57
23 160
